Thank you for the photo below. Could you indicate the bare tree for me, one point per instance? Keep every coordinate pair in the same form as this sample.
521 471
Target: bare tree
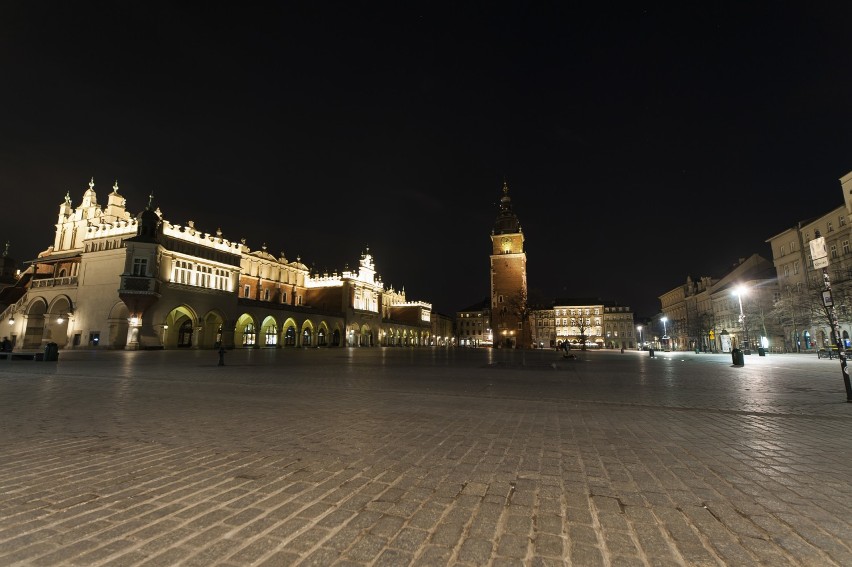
519 308
582 324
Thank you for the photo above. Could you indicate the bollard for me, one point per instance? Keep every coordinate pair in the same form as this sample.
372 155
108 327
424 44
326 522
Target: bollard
221 356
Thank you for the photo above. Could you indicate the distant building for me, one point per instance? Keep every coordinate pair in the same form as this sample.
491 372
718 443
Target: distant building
508 278
579 321
473 325
116 280
443 330
619 327
705 313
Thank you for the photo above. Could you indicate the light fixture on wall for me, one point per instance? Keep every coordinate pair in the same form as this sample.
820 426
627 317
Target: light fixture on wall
134 321
61 318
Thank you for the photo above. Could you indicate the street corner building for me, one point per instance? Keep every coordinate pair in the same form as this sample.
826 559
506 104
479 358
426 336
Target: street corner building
121 281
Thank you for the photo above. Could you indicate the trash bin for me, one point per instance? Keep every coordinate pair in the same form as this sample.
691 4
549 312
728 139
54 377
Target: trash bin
737 356
51 352
761 351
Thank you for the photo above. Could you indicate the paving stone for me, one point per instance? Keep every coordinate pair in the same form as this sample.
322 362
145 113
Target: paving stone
397 459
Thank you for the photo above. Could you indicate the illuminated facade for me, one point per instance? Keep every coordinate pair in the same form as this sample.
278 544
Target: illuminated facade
508 278
577 321
473 325
114 280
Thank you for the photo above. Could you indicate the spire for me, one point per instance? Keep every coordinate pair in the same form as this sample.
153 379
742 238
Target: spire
92 184
507 222
150 200
115 187
68 198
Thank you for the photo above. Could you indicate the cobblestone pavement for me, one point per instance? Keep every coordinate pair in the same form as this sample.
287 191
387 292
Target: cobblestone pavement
423 457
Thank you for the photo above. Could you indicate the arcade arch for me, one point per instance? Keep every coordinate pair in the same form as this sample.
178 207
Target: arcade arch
289 337
307 333
56 321
118 327
179 328
269 332
245 332
212 329
35 323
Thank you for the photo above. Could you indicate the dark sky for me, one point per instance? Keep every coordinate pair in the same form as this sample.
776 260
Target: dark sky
640 145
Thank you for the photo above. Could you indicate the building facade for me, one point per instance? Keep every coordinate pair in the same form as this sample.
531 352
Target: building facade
443 330
719 314
473 325
619 327
800 308
115 280
583 323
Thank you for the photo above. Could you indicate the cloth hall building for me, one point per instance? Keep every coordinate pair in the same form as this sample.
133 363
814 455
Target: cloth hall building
115 280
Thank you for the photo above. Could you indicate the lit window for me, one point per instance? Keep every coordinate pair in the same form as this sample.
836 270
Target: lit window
248 335
271 335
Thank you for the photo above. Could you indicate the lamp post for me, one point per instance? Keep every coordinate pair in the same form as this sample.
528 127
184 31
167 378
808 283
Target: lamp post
665 336
739 291
639 328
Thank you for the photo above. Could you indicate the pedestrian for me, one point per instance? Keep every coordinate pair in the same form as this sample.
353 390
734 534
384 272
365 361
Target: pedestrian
6 345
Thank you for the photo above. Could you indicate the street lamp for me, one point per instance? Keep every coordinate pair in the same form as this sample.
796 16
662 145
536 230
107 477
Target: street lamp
639 328
739 291
665 335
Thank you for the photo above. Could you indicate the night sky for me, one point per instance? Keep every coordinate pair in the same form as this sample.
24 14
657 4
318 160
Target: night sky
641 145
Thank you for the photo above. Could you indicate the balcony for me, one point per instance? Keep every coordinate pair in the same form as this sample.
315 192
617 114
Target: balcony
139 285
55 282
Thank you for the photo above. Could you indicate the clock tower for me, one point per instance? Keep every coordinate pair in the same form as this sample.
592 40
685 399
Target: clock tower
508 277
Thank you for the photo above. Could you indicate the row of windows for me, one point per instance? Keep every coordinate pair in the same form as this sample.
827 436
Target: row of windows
592 331
845 249
270 337
189 273
829 227
266 295
578 312
104 245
